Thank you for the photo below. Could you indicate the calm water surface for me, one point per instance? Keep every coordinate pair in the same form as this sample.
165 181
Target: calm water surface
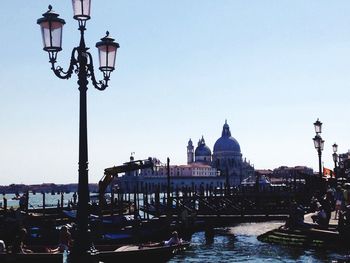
240 244
232 244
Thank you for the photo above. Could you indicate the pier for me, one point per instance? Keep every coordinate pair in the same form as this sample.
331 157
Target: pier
185 209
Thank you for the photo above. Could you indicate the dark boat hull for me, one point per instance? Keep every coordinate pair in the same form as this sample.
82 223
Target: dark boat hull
132 253
137 253
31 258
309 237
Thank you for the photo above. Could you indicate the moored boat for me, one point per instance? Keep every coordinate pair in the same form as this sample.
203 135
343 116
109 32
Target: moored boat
304 237
154 252
36 257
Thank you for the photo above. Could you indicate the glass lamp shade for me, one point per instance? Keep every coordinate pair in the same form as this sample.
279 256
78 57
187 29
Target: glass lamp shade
318 126
107 50
335 147
51 30
318 142
81 9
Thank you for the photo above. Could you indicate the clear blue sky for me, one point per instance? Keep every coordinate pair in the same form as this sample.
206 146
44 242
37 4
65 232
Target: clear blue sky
271 68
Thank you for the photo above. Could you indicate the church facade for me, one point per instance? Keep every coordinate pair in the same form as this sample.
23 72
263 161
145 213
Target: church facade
226 157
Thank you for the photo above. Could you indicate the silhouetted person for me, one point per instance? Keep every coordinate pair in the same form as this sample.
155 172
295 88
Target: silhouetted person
174 240
65 241
18 246
22 202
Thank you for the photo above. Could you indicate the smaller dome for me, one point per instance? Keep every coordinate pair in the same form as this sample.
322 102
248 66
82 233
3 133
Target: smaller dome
202 149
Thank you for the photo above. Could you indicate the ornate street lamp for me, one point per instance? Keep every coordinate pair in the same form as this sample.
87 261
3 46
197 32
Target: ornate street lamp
335 147
319 143
81 63
81 10
51 31
335 158
318 126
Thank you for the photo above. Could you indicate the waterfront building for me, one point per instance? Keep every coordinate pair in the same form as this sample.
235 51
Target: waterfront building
204 169
258 182
286 174
289 177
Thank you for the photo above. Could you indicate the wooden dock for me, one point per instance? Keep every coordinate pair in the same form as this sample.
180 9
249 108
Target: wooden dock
310 235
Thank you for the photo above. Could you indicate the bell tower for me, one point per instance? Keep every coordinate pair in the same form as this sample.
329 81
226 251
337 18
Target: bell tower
190 152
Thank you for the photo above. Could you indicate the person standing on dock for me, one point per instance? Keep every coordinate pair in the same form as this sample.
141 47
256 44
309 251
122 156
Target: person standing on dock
346 194
296 216
327 205
339 201
75 198
22 202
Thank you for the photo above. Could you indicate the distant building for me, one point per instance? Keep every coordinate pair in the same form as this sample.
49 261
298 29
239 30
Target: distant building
252 181
194 169
203 169
286 175
285 172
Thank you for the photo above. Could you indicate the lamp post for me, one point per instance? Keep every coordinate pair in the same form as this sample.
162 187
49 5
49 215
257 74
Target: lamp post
81 63
335 159
318 143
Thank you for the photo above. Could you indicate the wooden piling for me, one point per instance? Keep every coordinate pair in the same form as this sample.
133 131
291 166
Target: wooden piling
62 200
5 203
44 203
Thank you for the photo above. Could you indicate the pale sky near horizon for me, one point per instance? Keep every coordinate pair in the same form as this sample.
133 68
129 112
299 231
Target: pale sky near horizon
271 68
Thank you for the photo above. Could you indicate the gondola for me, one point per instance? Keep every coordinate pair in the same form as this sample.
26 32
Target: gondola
36 257
133 253
155 252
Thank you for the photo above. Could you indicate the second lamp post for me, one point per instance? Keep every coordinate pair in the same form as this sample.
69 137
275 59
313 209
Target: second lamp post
319 143
335 159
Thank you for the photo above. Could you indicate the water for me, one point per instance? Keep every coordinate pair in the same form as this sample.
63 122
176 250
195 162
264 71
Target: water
231 244
35 201
240 244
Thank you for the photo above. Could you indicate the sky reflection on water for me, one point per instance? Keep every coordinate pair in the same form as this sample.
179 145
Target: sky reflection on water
240 244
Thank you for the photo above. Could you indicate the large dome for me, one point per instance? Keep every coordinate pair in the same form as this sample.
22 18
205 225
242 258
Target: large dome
202 149
226 143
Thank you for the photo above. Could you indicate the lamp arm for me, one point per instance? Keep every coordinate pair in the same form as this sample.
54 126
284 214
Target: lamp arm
59 72
101 84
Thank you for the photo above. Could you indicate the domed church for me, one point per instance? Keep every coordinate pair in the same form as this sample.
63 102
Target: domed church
226 157
204 168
